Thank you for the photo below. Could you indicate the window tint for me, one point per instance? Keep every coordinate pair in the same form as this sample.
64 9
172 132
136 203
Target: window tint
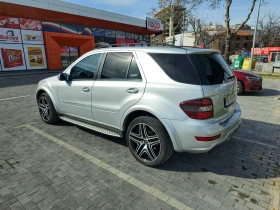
197 69
116 65
133 72
177 66
86 68
212 69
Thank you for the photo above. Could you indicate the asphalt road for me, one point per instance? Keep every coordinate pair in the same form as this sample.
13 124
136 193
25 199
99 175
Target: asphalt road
67 167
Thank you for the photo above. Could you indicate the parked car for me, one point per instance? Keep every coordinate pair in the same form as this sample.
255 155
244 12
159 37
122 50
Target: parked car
159 99
247 81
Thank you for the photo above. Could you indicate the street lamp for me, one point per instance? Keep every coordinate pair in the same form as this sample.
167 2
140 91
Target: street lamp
254 39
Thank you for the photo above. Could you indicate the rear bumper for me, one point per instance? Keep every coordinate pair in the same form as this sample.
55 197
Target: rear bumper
187 130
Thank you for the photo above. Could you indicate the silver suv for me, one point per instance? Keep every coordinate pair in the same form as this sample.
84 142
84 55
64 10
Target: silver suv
159 99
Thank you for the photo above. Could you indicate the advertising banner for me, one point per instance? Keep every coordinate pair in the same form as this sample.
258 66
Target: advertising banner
98 32
32 37
9 35
110 33
50 26
68 28
129 36
84 30
8 22
120 34
154 24
35 56
11 56
29 24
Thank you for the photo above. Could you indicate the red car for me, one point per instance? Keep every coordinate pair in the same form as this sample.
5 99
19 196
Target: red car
247 81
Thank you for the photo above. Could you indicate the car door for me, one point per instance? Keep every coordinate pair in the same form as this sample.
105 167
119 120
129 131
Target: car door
75 95
120 84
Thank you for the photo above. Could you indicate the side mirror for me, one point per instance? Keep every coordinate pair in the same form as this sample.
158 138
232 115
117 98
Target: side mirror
64 77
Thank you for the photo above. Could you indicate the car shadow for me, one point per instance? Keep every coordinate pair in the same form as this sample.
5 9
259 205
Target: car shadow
263 92
254 152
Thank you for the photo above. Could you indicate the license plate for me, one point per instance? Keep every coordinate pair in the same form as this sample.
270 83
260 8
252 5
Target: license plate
229 100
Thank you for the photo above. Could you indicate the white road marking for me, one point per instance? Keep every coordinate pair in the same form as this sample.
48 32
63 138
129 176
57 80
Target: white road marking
5 99
151 190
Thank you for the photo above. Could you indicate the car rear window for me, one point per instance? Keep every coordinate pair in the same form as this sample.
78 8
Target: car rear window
196 69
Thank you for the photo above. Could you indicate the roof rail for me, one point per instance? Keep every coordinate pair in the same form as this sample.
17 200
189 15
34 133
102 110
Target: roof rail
124 44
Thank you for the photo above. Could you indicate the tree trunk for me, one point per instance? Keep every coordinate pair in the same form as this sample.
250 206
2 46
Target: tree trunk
227 52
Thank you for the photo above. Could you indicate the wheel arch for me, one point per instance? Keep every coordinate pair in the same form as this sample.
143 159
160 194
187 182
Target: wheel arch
45 90
148 111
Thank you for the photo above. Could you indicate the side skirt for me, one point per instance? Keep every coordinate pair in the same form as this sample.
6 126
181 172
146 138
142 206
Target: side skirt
92 126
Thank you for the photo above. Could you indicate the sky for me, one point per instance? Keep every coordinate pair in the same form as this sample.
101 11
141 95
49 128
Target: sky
140 8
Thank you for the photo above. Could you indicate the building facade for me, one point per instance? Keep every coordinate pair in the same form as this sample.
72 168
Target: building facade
52 34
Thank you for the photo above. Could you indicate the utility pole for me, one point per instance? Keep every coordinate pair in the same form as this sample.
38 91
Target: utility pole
254 39
183 30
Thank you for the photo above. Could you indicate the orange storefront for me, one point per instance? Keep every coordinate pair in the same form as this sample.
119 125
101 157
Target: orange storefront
37 38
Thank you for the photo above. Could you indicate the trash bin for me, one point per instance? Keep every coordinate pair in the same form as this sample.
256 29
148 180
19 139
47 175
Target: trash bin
246 64
238 62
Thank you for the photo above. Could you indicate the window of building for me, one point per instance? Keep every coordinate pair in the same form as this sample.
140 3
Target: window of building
237 45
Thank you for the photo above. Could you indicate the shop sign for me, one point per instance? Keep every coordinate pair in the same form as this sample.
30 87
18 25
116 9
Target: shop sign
29 24
12 57
32 37
35 56
8 35
8 22
154 24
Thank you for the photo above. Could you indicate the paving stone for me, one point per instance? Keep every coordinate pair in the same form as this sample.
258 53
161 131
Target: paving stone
44 205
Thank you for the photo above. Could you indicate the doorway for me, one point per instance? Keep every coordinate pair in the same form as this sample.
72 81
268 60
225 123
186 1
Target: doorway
68 55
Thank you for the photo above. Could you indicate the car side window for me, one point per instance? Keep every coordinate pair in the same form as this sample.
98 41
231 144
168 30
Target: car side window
133 72
116 65
86 68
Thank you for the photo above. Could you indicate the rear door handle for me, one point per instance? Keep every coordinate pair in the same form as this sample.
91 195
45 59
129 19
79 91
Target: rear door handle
132 90
85 89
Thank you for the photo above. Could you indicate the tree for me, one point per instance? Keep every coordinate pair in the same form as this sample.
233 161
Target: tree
269 33
171 13
229 32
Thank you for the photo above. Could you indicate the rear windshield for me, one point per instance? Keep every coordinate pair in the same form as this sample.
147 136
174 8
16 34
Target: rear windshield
196 69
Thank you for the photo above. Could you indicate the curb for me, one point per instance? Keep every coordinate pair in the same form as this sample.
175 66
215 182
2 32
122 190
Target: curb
28 72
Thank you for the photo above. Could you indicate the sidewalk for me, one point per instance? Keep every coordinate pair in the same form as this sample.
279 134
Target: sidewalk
28 72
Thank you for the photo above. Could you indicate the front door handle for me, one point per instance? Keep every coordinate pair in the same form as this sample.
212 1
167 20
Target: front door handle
85 89
132 90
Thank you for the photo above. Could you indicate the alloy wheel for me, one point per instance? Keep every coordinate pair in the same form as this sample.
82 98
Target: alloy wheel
145 142
44 107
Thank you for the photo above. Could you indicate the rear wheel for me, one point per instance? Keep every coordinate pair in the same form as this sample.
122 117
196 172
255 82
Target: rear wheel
47 111
240 88
148 141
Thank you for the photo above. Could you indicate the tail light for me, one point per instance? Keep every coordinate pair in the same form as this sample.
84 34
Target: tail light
201 109
211 138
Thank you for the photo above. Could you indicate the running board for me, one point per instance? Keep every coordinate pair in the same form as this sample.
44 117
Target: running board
90 126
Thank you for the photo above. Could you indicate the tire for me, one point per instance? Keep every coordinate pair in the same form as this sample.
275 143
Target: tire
240 88
150 152
46 109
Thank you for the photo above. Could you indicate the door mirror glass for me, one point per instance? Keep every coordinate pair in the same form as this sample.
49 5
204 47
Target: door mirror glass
64 77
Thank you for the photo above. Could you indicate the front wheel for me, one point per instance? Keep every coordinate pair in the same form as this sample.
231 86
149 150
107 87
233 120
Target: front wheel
148 141
240 88
47 111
